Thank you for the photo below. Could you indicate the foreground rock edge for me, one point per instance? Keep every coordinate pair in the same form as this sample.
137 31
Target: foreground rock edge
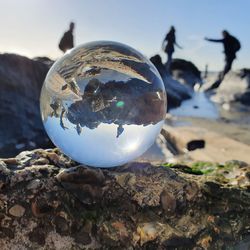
48 201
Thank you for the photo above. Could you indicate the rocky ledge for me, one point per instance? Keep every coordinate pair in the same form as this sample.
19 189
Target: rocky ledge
48 201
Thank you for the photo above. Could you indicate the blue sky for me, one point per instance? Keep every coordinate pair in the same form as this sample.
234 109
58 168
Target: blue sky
34 27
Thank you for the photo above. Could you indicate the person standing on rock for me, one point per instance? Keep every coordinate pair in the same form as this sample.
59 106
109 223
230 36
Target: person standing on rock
231 46
168 46
67 41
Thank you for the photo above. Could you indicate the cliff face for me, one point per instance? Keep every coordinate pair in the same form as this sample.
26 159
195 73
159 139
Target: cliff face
21 127
49 202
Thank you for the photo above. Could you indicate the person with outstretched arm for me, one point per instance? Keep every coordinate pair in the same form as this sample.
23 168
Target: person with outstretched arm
231 46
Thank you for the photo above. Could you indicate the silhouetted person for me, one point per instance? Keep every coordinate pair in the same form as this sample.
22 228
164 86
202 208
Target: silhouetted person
67 41
168 45
231 46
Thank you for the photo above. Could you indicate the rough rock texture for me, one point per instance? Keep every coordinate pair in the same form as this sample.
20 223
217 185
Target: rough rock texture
185 72
176 92
50 202
235 88
20 123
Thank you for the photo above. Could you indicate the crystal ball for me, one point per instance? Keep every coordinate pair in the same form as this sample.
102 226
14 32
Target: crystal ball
103 104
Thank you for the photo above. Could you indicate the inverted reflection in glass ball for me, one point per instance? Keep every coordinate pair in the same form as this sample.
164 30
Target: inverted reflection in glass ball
103 104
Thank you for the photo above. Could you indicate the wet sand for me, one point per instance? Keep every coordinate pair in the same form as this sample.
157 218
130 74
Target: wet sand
233 122
199 113
239 132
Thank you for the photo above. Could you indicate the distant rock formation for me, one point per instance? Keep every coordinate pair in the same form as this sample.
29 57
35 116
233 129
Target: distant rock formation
185 72
20 124
235 88
176 92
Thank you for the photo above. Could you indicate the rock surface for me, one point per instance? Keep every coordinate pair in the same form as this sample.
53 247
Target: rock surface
20 123
49 202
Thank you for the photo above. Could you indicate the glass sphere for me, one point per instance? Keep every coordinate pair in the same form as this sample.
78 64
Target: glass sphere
103 104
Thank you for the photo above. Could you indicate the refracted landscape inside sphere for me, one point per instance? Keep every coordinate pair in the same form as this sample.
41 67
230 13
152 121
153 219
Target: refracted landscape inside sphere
103 104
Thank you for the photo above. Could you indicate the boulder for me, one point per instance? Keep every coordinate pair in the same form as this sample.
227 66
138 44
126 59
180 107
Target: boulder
185 72
20 124
176 92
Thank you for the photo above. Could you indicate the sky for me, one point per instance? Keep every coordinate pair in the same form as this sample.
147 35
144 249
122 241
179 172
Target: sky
34 27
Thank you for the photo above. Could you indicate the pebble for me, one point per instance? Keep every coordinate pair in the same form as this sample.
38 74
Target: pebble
148 232
17 210
168 201
53 157
10 161
34 184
